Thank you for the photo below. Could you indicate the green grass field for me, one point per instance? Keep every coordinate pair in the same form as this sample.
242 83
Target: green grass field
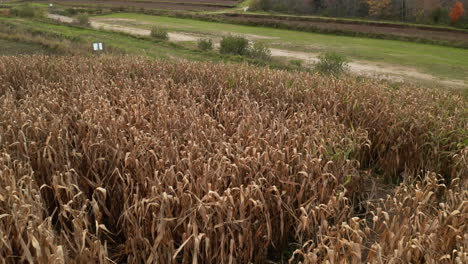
444 62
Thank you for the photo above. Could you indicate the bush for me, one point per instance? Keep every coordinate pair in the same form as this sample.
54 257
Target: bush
331 63
297 63
82 19
71 11
439 16
260 51
27 10
260 5
236 45
159 33
205 44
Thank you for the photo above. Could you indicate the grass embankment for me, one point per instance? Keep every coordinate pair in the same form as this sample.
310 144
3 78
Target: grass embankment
125 43
13 47
445 62
129 160
59 38
70 39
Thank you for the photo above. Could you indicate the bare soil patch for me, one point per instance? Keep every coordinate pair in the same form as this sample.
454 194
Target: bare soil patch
61 18
177 37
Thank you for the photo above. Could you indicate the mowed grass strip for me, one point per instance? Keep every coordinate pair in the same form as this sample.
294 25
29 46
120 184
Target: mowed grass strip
444 62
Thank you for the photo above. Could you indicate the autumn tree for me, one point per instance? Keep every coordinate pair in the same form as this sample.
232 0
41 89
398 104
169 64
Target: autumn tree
5 12
379 8
457 11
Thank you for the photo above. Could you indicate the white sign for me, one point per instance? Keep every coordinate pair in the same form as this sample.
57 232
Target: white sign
51 5
97 46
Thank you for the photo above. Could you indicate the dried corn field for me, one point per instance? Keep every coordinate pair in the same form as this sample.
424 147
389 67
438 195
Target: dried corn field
126 160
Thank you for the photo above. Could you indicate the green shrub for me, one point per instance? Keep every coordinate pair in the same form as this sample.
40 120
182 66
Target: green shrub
83 20
260 5
27 10
236 45
205 44
331 63
259 51
280 7
71 11
463 22
159 33
439 16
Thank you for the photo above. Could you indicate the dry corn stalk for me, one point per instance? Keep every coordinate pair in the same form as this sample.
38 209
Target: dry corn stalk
125 160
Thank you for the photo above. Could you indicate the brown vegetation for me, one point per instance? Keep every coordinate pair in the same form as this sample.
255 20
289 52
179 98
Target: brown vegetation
423 222
127 160
379 7
5 12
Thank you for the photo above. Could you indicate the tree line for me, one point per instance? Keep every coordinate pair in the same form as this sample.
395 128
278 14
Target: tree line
422 11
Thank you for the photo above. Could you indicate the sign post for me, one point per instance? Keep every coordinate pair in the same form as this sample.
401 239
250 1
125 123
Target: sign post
98 46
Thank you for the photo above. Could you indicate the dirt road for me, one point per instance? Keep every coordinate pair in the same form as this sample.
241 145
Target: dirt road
388 72
61 18
177 37
369 69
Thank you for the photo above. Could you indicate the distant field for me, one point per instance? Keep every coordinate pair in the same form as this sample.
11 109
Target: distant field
445 62
352 20
413 32
195 5
229 11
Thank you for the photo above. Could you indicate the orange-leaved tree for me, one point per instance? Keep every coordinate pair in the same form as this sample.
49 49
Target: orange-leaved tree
379 8
5 12
457 11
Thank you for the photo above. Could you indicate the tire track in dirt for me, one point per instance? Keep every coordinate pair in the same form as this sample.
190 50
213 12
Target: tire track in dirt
387 72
